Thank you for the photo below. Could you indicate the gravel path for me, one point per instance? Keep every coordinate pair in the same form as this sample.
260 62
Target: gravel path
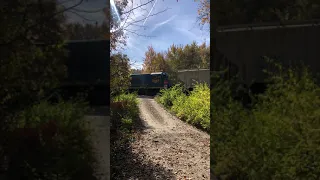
167 148
99 121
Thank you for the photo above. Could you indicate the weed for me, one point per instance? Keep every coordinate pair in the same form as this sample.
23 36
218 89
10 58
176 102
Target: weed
194 109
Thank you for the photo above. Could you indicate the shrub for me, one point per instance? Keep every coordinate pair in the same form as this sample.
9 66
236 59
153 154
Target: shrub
167 96
124 113
277 139
50 142
124 105
194 109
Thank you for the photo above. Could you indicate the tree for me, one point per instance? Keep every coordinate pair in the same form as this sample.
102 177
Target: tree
77 31
128 25
31 63
148 63
174 57
31 52
204 53
120 64
204 11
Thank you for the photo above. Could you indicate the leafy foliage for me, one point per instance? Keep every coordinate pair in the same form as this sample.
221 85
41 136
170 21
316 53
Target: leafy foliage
120 73
27 68
204 11
116 35
38 140
50 142
277 138
194 109
124 114
154 62
77 31
177 58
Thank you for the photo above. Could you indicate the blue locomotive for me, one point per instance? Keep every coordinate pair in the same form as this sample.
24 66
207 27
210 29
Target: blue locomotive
152 82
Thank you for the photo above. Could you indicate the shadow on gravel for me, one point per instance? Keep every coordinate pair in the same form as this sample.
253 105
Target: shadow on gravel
99 111
131 165
146 97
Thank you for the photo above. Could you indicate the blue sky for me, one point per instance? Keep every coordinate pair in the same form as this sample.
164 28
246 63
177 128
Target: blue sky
90 5
177 25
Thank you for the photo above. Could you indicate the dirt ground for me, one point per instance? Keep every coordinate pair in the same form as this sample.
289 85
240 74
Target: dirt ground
99 120
166 147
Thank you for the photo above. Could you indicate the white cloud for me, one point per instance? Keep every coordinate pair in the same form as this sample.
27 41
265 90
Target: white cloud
163 23
182 29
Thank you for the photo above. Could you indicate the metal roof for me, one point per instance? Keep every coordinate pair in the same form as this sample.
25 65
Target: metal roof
271 25
157 73
193 70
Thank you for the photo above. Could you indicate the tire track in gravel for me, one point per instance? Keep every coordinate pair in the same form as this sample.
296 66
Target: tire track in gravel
172 144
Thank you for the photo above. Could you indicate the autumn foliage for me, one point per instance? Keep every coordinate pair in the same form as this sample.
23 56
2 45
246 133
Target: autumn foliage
204 11
177 57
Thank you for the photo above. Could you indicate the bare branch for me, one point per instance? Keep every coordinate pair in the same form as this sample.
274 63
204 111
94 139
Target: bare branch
66 9
41 20
63 2
138 34
88 11
82 16
141 5
136 21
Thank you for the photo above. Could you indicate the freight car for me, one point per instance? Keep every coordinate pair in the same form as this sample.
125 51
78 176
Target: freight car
190 77
88 69
150 83
241 48
156 81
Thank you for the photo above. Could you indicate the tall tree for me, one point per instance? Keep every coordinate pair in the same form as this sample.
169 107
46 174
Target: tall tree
120 64
148 63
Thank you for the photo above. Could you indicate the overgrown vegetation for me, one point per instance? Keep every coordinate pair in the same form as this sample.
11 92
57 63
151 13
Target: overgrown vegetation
120 73
49 142
194 108
124 119
38 140
278 138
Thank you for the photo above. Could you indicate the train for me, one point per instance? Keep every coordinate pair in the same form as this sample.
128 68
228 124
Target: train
154 82
242 48
149 83
190 77
88 71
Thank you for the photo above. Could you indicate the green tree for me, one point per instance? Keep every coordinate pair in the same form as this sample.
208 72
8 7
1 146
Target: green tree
174 57
204 53
32 55
149 61
78 31
120 73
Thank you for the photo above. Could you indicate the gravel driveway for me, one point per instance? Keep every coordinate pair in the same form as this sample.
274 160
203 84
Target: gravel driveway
166 148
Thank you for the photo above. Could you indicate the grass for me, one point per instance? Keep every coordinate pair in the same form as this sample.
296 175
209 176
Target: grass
278 138
51 142
124 118
194 109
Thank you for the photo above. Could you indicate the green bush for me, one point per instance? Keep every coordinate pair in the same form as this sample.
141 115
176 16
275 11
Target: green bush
194 109
124 115
277 139
125 106
167 96
50 142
